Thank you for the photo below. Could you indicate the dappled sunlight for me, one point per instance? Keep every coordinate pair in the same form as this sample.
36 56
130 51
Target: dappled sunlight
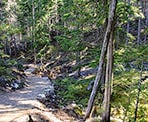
24 92
16 103
121 51
31 103
10 115
3 106
70 60
8 109
127 84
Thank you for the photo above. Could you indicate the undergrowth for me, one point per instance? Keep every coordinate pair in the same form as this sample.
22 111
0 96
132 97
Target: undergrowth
73 90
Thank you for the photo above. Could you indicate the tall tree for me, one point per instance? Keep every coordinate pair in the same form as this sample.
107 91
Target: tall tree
138 94
108 81
128 26
139 26
107 36
33 31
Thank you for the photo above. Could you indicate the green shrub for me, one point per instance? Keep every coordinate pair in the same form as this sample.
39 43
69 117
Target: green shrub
73 90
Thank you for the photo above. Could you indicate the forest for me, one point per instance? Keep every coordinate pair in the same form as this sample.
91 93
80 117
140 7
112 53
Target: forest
73 61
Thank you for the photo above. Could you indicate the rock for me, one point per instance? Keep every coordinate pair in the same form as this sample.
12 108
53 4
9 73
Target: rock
47 93
18 81
41 96
48 97
45 78
84 73
3 82
17 84
50 90
14 86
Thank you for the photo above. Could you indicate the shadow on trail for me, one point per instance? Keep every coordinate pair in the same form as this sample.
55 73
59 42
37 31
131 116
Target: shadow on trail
24 99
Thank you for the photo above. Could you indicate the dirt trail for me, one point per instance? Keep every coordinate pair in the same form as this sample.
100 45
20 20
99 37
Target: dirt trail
22 102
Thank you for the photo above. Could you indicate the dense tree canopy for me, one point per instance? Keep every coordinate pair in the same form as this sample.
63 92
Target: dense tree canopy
69 40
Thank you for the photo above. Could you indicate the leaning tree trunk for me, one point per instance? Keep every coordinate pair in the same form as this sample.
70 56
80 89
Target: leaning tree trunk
108 82
109 29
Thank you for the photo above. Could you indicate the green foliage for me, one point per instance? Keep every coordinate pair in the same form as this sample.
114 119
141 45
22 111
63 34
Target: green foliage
94 55
6 30
125 93
146 31
70 20
6 65
127 56
73 90
128 12
126 82
70 41
39 24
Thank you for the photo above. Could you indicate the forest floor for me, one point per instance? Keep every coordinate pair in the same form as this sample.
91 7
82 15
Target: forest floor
22 105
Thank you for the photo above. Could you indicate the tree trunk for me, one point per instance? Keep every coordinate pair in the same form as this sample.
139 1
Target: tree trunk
109 29
108 82
139 29
146 21
138 94
127 27
33 32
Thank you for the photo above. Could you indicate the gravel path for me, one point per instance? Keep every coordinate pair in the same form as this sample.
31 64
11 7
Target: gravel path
16 104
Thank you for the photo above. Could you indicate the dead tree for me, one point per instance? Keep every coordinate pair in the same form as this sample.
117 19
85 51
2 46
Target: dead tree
108 81
109 29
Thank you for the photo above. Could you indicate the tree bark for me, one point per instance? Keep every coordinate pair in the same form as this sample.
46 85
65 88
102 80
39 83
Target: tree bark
108 82
138 94
139 29
127 27
33 31
109 29
146 21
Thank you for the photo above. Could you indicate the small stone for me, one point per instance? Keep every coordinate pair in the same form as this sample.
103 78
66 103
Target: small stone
14 86
40 96
45 78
